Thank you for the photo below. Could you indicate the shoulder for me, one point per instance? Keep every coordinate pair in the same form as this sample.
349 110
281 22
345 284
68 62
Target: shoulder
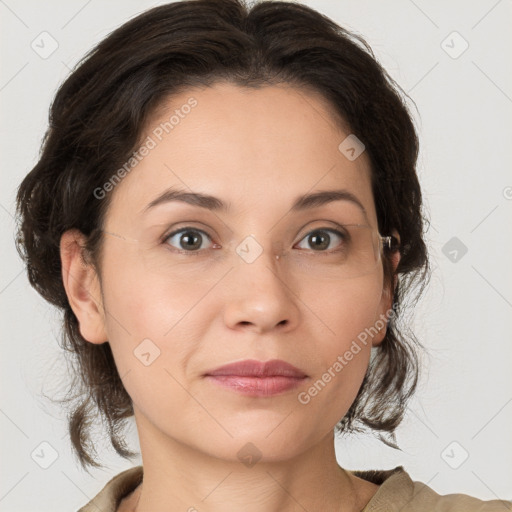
108 499
398 492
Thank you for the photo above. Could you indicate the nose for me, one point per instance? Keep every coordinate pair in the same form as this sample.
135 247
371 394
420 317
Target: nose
259 298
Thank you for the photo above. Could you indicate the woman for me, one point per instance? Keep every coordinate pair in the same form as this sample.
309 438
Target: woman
227 211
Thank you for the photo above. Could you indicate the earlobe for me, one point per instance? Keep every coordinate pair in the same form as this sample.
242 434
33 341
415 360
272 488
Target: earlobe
82 287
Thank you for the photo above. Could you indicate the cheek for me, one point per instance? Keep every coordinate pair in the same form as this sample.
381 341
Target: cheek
345 309
141 300
347 314
153 326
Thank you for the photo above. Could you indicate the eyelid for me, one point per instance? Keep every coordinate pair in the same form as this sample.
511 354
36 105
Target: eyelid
186 225
334 226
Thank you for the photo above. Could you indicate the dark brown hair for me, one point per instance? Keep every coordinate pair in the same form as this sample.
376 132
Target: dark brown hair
95 123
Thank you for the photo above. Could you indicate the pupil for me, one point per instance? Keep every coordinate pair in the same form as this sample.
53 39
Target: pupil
191 241
317 240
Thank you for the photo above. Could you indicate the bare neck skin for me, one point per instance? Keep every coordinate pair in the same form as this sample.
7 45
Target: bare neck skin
189 481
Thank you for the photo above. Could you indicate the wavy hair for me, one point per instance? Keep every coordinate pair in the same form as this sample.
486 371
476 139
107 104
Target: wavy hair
95 123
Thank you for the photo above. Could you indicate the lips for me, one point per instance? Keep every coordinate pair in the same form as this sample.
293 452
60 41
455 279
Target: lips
253 368
257 379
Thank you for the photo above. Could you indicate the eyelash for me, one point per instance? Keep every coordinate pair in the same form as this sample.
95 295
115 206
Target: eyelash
199 252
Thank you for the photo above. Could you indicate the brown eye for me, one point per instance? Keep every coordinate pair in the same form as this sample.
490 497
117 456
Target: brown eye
320 239
187 239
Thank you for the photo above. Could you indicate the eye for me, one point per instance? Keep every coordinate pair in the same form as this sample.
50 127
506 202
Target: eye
187 239
191 240
320 239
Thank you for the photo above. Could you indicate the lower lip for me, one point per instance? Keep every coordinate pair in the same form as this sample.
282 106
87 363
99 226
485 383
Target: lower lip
257 386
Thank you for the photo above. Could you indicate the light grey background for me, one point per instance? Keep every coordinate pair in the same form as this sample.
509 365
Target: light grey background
464 319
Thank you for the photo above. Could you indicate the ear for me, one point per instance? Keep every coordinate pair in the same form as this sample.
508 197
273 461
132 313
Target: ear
82 287
387 299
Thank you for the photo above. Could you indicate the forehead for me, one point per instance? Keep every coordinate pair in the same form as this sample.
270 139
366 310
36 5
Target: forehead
250 147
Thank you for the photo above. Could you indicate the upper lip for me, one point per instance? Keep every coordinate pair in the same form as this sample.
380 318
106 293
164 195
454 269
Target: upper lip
251 367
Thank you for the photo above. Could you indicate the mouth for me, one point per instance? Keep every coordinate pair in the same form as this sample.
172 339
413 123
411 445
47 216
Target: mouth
257 386
259 379
253 368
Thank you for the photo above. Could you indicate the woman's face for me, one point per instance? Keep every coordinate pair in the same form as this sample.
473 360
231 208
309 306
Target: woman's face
170 316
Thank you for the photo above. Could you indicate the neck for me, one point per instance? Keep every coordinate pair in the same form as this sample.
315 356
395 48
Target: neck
178 477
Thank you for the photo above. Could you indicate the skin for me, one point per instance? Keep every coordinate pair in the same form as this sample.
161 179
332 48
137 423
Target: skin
257 149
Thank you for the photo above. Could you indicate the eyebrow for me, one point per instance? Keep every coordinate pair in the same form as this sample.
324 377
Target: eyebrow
212 203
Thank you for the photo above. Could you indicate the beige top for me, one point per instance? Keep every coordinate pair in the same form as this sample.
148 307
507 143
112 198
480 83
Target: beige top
397 492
